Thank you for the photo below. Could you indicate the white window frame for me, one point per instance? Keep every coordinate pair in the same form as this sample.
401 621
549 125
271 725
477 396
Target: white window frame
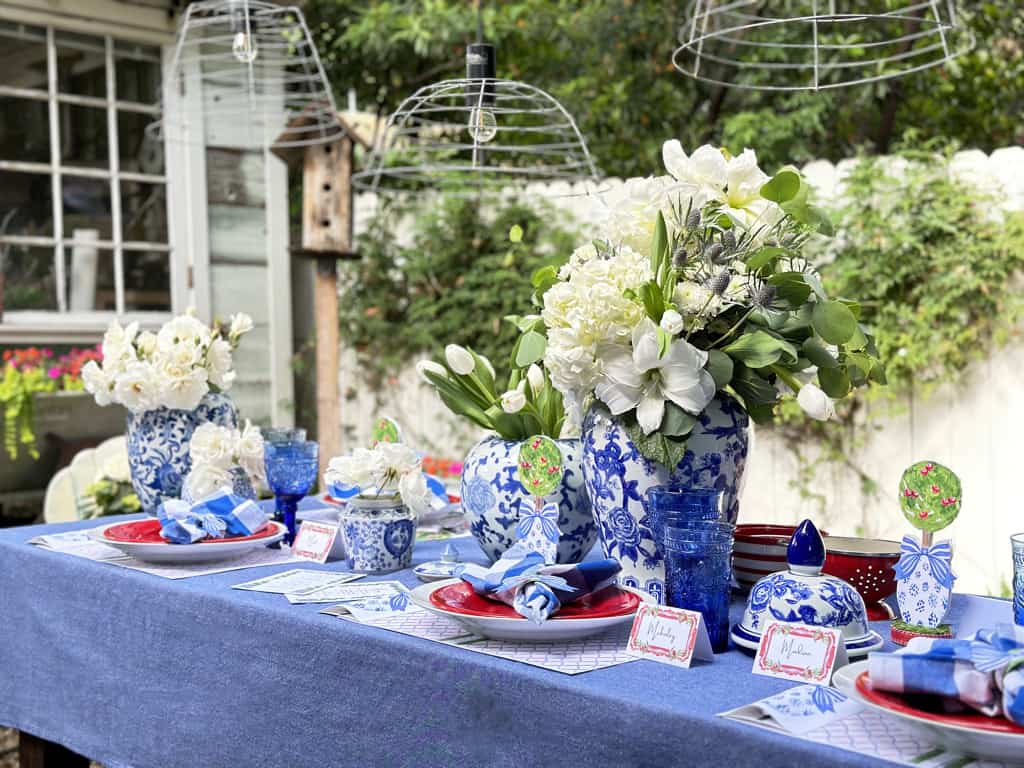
46 326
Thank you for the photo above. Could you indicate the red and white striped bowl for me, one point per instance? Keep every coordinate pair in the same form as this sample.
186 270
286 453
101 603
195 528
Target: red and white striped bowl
759 550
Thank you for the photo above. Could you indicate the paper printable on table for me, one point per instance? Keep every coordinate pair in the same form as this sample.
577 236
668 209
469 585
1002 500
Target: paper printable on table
316 541
797 710
78 543
296 582
386 602
339 593
800 652
540 473
669 635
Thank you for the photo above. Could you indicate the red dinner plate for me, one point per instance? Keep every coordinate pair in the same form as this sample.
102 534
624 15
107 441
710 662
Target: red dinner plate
896 702
608 603
148 532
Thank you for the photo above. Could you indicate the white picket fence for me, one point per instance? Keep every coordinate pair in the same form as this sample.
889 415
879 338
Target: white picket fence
975 426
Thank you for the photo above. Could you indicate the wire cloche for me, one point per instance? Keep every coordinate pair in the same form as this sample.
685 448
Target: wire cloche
476 134
243 72
798 45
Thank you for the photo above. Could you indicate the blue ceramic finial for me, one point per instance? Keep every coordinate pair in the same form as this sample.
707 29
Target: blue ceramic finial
806 551
450 554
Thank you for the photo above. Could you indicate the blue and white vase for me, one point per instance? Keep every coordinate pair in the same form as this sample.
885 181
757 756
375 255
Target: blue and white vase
492 497
379 534
158 446
618 478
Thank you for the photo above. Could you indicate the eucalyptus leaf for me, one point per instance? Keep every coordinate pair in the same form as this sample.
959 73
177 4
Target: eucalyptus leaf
544 277
659 448
676 422
530 349
515 235
765 257
782 187
752 387
835 382
760 349
815 352
791 287
833 321
720 367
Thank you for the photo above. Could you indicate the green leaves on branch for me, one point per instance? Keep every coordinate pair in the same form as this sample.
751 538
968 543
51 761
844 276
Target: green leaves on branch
657 446
760 349
833 321
529 349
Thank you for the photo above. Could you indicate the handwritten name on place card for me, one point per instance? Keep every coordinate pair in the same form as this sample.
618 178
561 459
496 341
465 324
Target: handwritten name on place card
799 652
669 635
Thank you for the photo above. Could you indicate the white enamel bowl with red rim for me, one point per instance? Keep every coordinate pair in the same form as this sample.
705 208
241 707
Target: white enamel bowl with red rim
759 550
141 539
969 733
867 564
456 600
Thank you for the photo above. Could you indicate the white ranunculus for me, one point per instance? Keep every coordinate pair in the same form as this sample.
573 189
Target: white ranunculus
183 388
671 322
214 445
513 401
398 458
816 403
459 359
118 350
146 342
364 468
637 378
415 494
240 323
98 383
535 376
249 451
183 330
205 479
137 387
423 367
218 363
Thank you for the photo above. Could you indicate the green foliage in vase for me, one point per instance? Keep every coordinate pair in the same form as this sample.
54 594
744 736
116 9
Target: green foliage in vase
452 284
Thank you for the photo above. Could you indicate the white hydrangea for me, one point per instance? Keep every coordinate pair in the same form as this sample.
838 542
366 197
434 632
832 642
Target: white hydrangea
632 211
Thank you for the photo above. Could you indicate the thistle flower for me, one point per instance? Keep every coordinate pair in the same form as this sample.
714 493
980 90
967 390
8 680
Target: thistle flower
762 295
713 252
693 219
729 240
680 257
718 284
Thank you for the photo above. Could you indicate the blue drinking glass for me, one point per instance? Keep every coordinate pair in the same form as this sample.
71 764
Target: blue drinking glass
698 575
1017 542
291 471
283 435
666 503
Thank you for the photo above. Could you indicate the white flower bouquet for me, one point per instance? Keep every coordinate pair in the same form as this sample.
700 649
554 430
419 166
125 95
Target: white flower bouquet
387 470
215 451
695 284
173 368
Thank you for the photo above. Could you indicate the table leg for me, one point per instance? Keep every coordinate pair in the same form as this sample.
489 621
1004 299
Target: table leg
34 752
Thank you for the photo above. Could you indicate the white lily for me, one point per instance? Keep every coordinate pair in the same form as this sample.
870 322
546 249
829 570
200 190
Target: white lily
638 378
703 174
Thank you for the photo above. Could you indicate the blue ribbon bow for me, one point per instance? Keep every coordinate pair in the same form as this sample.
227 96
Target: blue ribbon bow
546 518
938 556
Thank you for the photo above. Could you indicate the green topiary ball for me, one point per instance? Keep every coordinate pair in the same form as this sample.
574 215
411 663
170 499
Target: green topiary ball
930 495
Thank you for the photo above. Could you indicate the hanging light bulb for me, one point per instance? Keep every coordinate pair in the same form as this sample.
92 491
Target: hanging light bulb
243 44
480 71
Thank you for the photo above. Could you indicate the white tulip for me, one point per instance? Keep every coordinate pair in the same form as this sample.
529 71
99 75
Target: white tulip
423 367
815 403
459 359
536 378
513 401
671 322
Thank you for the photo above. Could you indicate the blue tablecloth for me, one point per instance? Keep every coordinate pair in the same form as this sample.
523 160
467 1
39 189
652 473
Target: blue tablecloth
132 669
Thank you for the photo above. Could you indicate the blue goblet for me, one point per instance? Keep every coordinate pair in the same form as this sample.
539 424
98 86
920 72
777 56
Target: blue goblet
291 472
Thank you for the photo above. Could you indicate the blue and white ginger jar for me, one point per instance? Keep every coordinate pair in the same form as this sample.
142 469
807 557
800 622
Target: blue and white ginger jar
158 446
492 497
379 534
618 478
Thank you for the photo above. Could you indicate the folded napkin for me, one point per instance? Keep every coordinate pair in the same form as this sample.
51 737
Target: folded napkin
535 590
985 673
217 515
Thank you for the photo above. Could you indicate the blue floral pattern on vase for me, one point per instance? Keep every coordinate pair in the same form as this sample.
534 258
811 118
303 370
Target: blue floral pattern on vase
618 477
379 535
492 497
158 441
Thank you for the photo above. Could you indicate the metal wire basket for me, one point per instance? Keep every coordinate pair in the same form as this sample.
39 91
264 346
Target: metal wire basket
245 73
801 45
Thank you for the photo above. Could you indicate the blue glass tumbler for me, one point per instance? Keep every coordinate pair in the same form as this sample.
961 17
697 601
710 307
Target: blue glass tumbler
291 472
283 434
666 504
1017 542
698 574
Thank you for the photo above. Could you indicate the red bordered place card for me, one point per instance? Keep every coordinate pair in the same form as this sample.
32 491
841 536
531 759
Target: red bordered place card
314 541
669 635
800 652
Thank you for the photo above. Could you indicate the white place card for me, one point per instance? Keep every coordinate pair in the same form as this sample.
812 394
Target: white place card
669 635
317 541
340 593
800 652
297 581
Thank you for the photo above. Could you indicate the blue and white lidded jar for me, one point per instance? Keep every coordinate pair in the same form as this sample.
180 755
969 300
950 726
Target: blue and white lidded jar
379 533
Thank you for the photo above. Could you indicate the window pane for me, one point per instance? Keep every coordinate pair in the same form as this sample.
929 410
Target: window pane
89 276
86 208
83 136
137 68
147 281
26 206
29 277
24 55
143 212
24 130
81 65
139 151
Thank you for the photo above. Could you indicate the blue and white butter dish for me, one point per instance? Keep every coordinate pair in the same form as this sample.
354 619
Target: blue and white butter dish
804 595
449 566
